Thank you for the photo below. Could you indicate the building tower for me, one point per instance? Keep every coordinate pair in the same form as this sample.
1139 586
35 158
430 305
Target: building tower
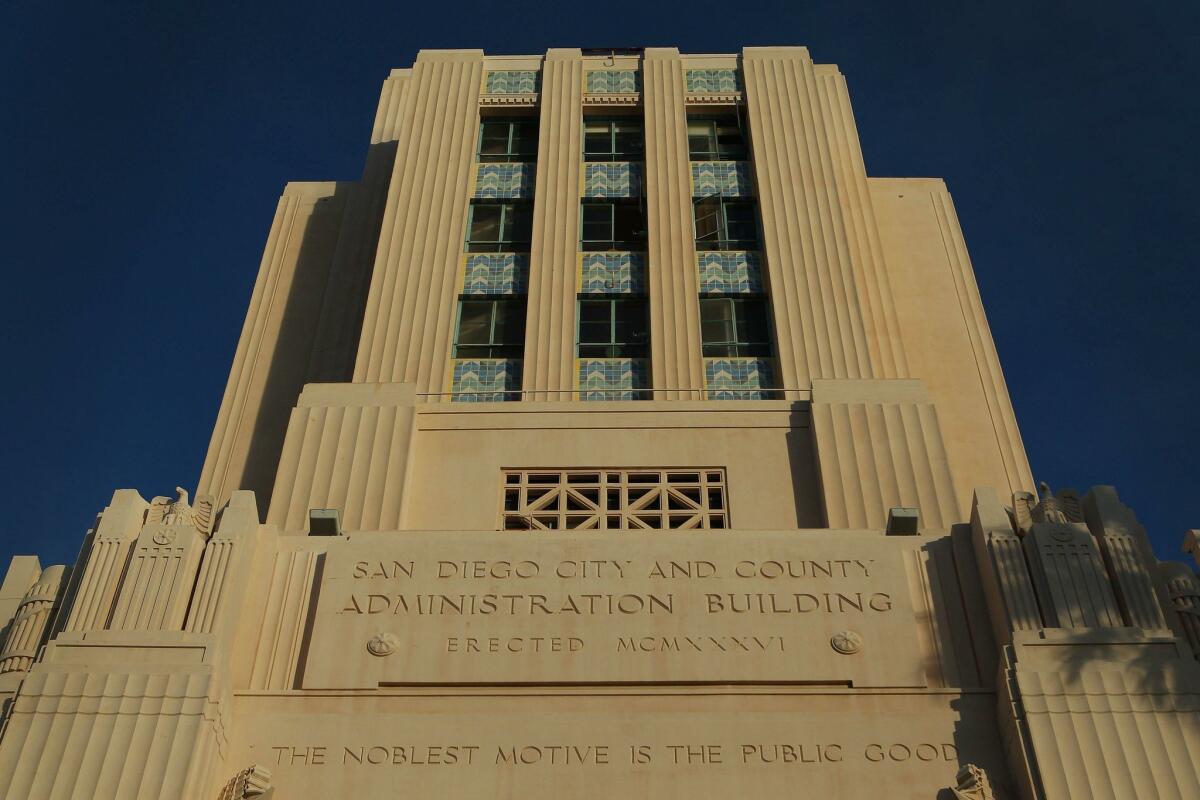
614 435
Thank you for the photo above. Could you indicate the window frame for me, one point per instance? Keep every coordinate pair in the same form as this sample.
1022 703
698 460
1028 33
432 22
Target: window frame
495 349
611 155
723 241
716 152
738 347
500 245
614 349
508 157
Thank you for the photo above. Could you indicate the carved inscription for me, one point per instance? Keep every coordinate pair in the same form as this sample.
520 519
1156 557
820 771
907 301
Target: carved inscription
748 608
689 754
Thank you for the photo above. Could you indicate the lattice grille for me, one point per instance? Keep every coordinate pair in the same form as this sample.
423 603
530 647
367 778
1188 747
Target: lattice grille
607 499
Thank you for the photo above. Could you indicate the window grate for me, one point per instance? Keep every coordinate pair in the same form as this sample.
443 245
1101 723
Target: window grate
614 499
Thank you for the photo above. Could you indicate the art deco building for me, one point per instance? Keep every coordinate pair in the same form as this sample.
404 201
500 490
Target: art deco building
614 436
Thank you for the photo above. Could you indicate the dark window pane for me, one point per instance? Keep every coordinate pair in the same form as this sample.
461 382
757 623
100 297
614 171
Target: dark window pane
594 321
752 322
741 223
510 322
597 223
493 138
629 144
709 223
730 142
485 223
716 320
597 138
628 226
475 323
518 222
630 322
525 138
700 140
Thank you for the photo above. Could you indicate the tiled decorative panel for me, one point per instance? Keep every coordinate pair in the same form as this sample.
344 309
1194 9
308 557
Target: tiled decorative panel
730 272
612 179
738 378
614 81
496 273
504 181
726 178
611 378
485 380
512 81
713 80
613 273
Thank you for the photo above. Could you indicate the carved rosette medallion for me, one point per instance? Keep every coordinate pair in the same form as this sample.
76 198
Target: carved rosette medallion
382 644
163 537
846 642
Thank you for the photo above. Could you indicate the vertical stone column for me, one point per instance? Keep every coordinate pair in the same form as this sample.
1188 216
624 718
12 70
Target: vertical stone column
1007 586
675 360
107 553
408 324
550 327
818 317
884 341
1128 557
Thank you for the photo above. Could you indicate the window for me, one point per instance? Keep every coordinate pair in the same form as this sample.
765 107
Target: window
734 326
716 139
490 329
499 227
612 499
612 328
508 141
612 140
723 224
613 225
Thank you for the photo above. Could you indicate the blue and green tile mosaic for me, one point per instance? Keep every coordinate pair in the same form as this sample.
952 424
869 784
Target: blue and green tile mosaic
611 378
730 272
726 178
485 380
614 81
496 273
713 80
738 378
512 81
504 181
612 179
613 272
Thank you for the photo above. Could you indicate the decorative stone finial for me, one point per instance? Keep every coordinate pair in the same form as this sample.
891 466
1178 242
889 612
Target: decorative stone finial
973 784
252 782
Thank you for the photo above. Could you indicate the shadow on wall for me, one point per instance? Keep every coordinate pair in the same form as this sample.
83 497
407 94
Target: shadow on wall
321 318
802 461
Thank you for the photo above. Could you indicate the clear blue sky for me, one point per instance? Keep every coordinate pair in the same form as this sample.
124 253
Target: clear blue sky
145 145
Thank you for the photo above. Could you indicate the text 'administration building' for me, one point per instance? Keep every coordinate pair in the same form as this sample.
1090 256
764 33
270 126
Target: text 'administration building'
614 436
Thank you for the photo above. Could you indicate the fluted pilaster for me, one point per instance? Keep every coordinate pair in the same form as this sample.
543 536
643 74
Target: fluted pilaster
879 446
409 318
884 341
550 326
814 297
107 554
676 361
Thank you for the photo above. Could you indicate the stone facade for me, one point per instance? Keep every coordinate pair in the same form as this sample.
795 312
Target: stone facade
609 466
